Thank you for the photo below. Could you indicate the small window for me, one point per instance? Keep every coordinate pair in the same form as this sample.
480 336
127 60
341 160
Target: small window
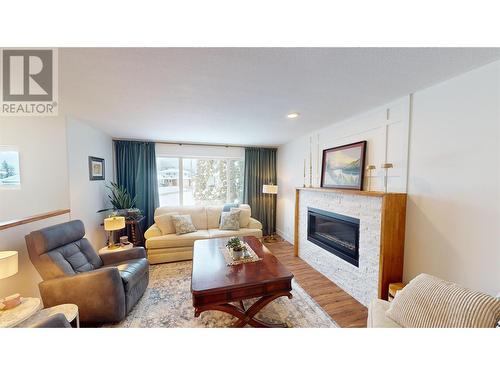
10 175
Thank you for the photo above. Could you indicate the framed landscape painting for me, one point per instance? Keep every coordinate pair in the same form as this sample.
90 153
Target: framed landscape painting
96 168
344 166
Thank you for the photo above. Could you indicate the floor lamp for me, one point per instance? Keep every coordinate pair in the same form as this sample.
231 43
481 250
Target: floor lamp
270 189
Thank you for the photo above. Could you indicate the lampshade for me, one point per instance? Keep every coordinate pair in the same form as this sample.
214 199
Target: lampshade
270 189
386 166
8 263
114 223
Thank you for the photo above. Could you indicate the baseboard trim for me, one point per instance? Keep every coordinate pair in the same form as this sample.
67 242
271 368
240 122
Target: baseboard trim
283 235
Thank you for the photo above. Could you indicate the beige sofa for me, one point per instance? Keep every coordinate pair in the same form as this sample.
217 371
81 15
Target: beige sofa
430 302
170 247
377 317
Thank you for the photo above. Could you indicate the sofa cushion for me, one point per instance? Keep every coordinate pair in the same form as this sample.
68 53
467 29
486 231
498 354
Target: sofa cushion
429 302
218 233
183 224
245 215
198 214
230 220
377 317
213 216
174 240
164 222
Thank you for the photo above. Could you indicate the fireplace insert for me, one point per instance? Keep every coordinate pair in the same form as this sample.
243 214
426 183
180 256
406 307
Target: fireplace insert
338 234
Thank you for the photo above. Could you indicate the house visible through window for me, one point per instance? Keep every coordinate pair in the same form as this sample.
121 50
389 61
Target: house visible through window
205 181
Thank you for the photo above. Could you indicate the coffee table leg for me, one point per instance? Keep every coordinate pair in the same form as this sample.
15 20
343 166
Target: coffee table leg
247 316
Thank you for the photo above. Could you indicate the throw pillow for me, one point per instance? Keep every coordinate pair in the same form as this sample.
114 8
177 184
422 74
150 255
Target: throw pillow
227 207
429 302
164 222
230 220
183 224
244 216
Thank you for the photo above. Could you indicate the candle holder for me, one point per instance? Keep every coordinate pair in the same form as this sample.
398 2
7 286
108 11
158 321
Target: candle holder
386 167
369 169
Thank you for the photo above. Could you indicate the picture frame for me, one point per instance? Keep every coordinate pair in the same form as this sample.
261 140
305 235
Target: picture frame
343 167
96 168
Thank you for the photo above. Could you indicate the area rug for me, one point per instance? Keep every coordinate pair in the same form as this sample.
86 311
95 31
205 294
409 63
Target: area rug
167 304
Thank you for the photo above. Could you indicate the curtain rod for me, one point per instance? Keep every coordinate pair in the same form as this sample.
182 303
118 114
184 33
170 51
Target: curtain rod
190 143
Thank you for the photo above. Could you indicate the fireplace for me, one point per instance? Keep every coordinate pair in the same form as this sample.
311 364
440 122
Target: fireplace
335 233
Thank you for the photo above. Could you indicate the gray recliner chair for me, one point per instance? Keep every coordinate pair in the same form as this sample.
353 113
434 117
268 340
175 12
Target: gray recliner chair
105 288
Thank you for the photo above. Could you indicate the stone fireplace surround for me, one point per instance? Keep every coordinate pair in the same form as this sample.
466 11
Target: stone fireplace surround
367 281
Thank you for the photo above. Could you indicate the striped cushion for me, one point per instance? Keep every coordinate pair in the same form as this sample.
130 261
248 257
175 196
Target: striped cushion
429 302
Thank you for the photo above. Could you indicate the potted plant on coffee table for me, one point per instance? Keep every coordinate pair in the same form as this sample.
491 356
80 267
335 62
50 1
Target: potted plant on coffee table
237 247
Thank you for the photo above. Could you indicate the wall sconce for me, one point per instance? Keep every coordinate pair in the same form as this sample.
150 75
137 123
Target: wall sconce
369 169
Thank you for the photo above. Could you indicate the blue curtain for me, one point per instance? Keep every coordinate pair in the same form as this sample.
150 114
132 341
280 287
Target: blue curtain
136 171
260 169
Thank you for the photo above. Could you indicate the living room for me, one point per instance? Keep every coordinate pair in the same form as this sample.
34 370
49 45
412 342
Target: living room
212 186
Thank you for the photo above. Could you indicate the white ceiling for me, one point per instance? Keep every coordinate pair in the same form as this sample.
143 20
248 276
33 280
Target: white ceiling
242 95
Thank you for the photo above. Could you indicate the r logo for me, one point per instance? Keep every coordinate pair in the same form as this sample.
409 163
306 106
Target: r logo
27 75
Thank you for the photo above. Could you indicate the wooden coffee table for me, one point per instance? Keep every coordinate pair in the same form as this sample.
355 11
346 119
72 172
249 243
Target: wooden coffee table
215 285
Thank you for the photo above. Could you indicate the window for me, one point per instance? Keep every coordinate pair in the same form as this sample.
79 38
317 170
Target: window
205 181
10 177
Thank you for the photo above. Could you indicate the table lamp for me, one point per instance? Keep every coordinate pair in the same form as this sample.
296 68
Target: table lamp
8 267
111 224
270 189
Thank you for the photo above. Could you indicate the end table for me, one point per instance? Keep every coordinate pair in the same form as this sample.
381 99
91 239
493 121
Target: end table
15 316
106 250
393 289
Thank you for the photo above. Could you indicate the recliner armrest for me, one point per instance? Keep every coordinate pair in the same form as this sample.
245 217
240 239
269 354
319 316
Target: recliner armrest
99 294
123 255
254 224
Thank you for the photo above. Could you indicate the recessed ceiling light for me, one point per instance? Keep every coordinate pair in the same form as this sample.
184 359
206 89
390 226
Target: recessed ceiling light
293 115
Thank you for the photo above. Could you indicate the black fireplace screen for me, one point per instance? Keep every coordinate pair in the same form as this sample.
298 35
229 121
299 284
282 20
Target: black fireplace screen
338 234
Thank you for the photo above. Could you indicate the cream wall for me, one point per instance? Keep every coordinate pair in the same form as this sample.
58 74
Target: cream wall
453 175
386 130
87 197
54 175
44 187
44 170
453 211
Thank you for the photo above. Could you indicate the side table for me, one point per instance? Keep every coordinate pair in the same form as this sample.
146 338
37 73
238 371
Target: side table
106 250
69 310
15 316
393 289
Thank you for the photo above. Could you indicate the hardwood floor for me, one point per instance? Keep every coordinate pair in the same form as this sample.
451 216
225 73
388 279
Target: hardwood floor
343 308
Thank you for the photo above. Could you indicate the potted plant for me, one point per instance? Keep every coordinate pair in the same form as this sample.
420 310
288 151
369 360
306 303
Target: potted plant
236 246
122 202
